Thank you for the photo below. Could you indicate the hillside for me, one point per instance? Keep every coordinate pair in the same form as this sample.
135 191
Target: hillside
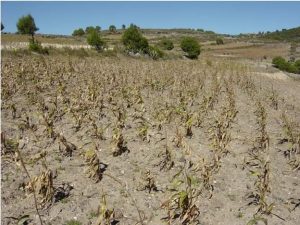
284 35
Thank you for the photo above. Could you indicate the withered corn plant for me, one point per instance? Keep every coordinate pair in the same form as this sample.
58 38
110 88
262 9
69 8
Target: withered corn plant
291 135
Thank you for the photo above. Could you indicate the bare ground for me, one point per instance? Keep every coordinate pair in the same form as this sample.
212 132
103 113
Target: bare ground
163 98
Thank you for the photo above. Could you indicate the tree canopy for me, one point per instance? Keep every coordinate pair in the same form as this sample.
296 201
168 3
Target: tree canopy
26 25
134 40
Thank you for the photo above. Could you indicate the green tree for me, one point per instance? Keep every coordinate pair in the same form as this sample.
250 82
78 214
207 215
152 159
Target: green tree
26 25
94 39
134 41
191 46
112 28
123 27
78 32
166 44
2 26
98 29
89 29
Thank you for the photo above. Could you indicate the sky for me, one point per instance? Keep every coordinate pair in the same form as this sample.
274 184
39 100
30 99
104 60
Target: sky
221 17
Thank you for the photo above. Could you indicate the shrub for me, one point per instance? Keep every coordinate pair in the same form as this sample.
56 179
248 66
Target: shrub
155 53
191 46
277 61
297 65
134 41
94 39
36 46
166 44
291 68
220 41
280 63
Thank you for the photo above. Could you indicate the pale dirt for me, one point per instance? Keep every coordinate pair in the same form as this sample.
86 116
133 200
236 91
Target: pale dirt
228 204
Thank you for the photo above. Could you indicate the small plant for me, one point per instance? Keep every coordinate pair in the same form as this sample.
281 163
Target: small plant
262 141
188 125
191 46
148 182
273 96
118 142
66 147
181 205
143 131
166 162
98 130
291 135
178 139
106 216
72 222
43 185
36 46
94 170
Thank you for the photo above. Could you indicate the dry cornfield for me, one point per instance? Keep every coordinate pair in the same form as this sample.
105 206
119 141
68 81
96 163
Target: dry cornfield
135 141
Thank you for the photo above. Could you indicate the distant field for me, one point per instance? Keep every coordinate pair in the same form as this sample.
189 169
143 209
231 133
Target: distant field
233 47
249 50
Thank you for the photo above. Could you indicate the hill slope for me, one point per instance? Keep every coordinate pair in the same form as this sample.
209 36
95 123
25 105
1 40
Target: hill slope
285 35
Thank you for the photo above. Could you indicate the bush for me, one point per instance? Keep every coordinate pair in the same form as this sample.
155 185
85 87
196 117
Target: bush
94 39
36 46
220 41
134 41
280 63
155 53
297 65
291 68
191 46
277 61
166 44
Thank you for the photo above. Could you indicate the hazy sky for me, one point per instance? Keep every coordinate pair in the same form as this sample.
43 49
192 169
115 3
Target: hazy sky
221 17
